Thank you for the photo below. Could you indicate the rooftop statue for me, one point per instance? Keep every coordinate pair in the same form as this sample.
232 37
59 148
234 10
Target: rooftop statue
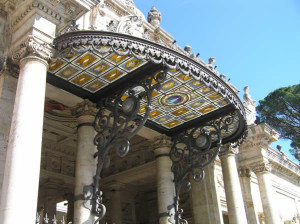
154 17
250 106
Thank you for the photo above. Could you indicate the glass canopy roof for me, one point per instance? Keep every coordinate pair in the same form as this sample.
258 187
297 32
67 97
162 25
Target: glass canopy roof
92 64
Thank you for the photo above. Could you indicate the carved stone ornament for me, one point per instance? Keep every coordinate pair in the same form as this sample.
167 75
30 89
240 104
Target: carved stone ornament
154 17
33 47
127 3
84 108
162 141
228 149
244 172
112 26
261 167
131 25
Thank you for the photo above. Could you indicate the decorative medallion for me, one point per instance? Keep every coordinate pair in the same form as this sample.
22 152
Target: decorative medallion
174 99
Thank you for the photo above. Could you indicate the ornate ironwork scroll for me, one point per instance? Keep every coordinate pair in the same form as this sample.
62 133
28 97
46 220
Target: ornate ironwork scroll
191 152
118 120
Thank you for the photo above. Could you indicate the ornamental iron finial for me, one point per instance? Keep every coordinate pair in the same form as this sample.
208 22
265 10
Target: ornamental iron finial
154 17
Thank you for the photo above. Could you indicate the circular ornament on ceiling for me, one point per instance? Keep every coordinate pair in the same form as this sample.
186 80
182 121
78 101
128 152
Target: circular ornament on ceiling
174 99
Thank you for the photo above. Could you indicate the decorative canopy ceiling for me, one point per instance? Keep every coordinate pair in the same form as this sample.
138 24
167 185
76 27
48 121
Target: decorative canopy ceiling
94 64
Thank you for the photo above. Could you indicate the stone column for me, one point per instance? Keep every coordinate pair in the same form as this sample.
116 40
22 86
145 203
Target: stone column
206 203
245 176
165 177
8 86
267 194
51 195
22 167
234 199
116 202
70 214
85 161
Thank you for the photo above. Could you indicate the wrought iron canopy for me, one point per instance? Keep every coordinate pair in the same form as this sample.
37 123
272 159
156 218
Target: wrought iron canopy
95 64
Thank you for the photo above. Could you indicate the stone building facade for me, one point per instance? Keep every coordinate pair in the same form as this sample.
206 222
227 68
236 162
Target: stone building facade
47 136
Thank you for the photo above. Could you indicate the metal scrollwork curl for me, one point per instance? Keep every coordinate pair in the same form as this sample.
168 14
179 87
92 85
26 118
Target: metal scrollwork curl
119 118
193 150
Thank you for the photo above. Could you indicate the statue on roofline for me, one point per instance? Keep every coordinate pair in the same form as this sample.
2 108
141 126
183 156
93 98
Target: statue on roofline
250 106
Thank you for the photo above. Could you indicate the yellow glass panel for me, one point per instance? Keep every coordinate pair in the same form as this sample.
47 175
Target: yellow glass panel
154 113
55 65
207 109
124 97
172 123
94 85
183 77
117 58
223 102
132 64
206 90
215 96
113 75
100 68
180 111
82 79
142 109
68 72
86 60
168 85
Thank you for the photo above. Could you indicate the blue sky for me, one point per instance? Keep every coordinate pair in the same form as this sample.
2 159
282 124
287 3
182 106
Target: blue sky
256 43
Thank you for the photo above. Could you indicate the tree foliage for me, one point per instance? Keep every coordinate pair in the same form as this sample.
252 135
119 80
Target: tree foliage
281 109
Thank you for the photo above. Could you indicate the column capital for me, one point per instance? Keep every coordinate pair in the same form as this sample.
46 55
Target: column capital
162 145
8 67
35 47
244 172
84 111
261 167
228 150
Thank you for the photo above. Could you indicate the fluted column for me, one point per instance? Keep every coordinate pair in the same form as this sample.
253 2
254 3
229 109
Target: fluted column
85 161
245 176
234 199
22 167
267 194
205 199
165 177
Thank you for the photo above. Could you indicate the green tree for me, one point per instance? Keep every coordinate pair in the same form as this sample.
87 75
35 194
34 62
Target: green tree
281 109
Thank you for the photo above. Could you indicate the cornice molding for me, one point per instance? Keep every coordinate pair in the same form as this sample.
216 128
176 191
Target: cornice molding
34 5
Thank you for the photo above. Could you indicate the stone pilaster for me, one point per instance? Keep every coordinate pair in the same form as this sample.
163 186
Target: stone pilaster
165 177
205 200
245 177
21 176
234 199
85 161
267 194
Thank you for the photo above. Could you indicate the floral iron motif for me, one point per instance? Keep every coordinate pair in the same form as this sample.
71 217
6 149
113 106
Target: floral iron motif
117 121
193 150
